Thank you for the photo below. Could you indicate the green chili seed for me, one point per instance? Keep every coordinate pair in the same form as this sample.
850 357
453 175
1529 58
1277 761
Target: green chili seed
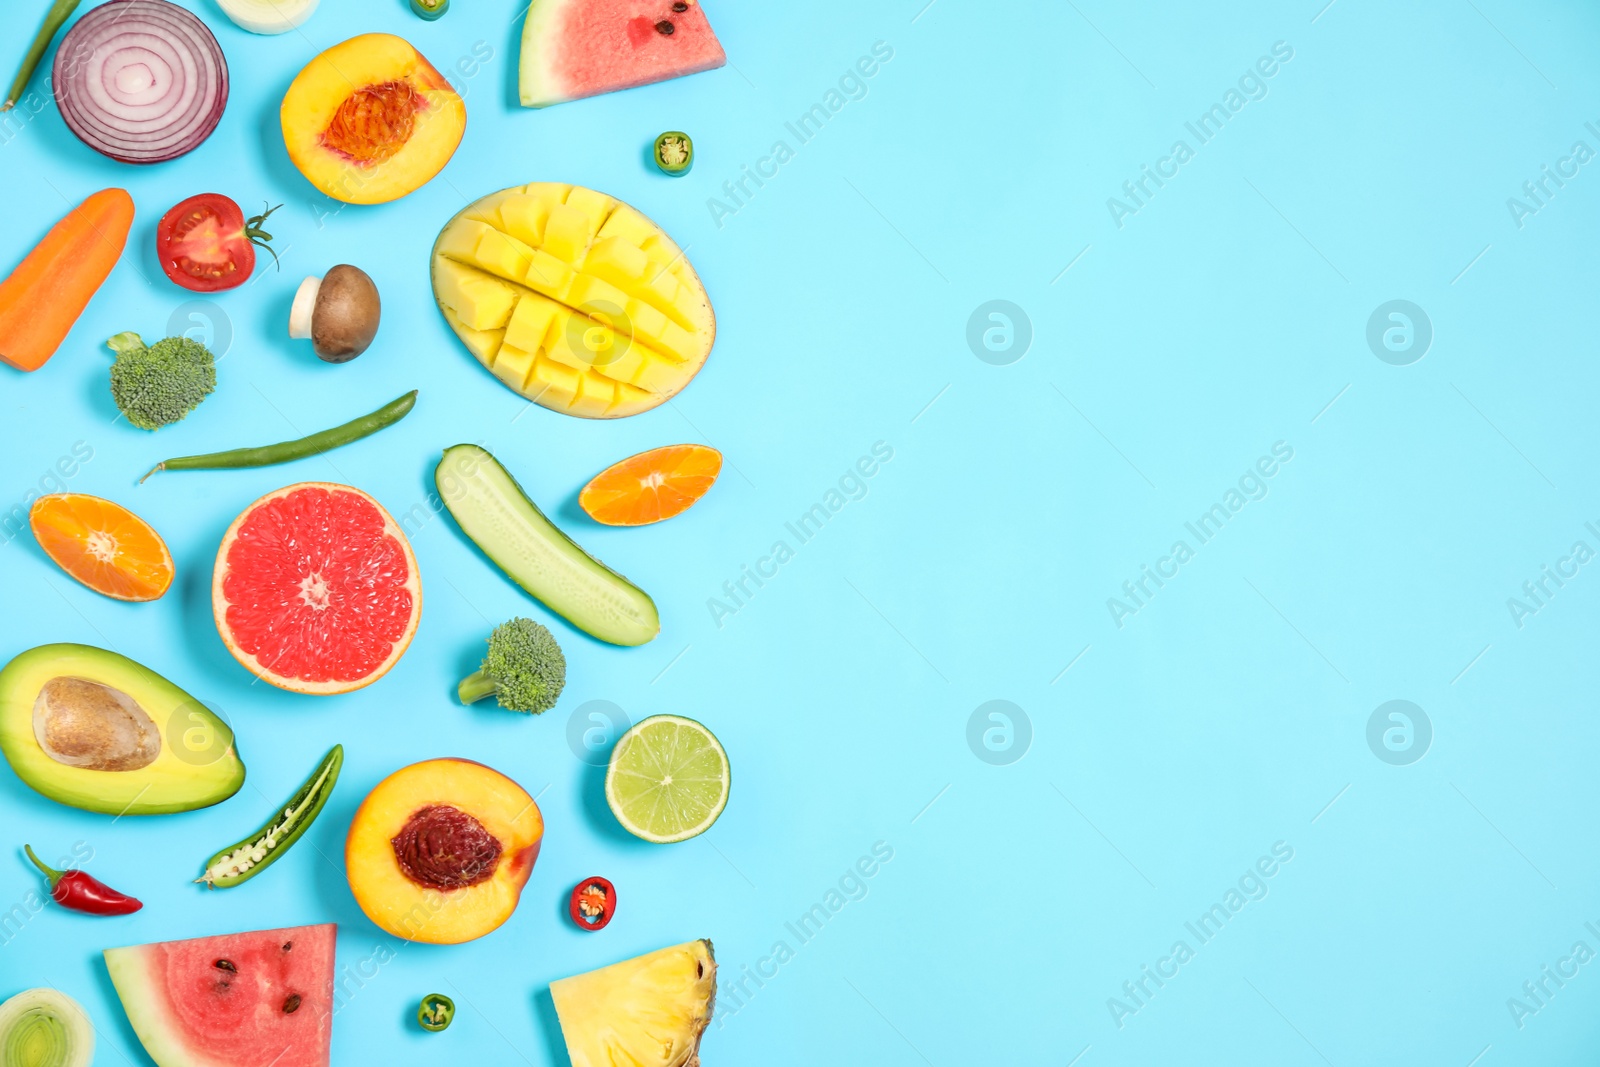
59 12
289 451
436 1012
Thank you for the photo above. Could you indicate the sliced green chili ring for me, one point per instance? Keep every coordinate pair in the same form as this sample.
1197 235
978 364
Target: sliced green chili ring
289 451
430 9
243 860
674 153
59 12
436 1012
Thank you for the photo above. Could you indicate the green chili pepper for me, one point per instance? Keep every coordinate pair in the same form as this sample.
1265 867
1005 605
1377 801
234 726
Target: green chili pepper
436 1012
430 9
674 153
59 12
245 859
289 451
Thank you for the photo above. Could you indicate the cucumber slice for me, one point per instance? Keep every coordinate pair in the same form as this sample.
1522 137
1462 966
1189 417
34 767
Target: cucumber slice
497 515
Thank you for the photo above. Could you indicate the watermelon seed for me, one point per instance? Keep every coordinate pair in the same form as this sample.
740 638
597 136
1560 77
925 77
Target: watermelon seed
287 945
227 965
680 7
665 28
291 1005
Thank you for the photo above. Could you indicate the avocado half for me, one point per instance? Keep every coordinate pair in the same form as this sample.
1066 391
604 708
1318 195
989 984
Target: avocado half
98 731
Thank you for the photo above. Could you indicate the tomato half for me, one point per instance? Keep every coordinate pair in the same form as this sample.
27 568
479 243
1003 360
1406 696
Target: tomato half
206 244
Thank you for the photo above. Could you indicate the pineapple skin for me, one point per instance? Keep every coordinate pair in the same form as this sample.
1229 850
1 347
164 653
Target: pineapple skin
650 1011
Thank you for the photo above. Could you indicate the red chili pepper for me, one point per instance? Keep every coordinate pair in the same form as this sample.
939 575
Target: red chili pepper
81 892
593 903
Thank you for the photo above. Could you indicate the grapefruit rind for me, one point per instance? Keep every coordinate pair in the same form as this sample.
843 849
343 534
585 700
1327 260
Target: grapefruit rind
220 602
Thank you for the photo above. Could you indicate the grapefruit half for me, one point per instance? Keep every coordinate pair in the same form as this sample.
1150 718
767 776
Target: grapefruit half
316 589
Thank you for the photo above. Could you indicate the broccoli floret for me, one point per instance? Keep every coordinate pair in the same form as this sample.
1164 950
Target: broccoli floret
524 669
159 384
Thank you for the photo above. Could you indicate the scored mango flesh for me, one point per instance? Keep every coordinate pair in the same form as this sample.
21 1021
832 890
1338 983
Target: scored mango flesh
574 299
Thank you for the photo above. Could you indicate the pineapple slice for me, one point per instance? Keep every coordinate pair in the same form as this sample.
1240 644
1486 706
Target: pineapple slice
598 289
649 1011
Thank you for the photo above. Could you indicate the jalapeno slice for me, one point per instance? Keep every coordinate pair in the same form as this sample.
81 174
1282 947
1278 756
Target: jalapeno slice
435 1012
430 9
593 903
674 153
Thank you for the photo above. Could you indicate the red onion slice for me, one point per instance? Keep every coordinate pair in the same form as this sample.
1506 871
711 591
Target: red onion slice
142 81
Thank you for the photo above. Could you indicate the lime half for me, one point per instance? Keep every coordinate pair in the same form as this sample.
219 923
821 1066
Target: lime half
668 779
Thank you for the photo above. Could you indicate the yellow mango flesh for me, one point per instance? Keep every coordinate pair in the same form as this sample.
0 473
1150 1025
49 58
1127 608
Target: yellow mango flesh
573 299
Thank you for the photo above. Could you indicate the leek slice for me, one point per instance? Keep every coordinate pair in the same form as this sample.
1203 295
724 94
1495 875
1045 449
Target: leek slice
45 1028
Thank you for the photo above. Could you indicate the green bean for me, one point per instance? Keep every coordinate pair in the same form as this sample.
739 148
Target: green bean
289 451
59 12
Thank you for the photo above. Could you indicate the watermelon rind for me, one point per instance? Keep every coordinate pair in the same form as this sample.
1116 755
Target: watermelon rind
156 1024
535 81
151 1019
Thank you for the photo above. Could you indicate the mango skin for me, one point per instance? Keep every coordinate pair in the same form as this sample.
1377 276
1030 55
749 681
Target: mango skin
328 80
573 299
198 764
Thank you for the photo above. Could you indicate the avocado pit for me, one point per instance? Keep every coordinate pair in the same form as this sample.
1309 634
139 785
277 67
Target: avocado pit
83 723
442 847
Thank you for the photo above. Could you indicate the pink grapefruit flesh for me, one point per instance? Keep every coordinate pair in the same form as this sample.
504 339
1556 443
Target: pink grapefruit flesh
316 589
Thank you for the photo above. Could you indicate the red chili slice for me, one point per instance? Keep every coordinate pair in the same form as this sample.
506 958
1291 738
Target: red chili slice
593 903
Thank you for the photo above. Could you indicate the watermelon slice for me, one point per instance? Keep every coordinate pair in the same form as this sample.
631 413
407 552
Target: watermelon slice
577 48
239 1000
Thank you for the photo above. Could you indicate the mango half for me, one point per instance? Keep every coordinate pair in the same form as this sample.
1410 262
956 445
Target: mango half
573 299
97 731
370 120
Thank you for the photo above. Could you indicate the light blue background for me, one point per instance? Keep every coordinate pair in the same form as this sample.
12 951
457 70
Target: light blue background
1228 715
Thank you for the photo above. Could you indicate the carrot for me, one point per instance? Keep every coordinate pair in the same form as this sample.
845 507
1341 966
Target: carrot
47 292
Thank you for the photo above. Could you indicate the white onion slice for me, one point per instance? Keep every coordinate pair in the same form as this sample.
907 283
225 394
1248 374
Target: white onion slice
141 81
268 16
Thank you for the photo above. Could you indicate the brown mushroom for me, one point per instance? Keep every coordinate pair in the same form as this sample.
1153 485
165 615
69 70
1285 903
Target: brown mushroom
338 312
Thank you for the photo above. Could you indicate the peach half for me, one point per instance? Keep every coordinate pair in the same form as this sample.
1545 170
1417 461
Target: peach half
440 850
370 120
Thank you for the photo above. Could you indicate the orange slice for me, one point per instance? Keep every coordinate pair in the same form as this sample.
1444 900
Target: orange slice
103 545
651 486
